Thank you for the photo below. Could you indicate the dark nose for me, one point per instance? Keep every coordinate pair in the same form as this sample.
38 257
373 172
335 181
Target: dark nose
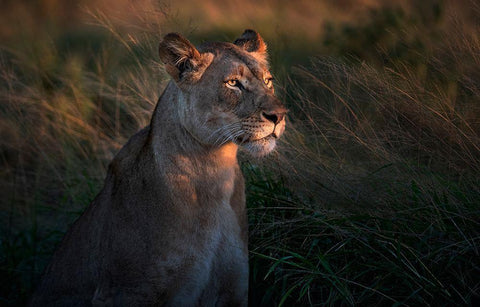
274 116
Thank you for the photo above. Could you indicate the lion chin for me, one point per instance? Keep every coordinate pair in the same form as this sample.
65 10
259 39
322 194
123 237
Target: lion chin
262 147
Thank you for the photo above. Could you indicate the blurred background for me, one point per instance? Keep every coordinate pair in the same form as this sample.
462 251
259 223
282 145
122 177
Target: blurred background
373 196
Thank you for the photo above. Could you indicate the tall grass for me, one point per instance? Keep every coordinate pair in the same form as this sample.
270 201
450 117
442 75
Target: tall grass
372 196
376 201
64 112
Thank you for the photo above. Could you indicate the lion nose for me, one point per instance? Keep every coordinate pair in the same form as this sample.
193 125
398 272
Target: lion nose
274 116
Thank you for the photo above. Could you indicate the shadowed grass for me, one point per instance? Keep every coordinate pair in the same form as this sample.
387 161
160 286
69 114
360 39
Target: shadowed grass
375 195
420 253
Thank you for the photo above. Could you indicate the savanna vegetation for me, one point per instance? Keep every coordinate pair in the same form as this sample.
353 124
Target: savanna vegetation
373 196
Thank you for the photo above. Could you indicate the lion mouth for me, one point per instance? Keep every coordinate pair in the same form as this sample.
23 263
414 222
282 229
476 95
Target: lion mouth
265 138
245 139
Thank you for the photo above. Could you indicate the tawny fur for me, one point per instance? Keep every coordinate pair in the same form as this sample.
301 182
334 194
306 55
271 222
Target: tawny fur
169 227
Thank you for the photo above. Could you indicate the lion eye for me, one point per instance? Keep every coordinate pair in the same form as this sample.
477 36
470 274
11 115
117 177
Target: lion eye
268 82
232 83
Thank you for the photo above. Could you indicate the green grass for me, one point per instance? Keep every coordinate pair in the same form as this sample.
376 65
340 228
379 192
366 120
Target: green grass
372 197
420 250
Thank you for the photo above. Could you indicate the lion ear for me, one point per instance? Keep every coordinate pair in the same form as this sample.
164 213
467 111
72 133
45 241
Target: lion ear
251 41
180 57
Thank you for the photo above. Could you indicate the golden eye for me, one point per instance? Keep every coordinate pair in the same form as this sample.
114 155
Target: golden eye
268 82
232 82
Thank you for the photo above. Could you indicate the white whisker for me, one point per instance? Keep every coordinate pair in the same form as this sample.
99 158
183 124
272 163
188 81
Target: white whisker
225 133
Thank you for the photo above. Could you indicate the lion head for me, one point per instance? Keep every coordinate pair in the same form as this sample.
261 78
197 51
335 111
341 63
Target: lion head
226 91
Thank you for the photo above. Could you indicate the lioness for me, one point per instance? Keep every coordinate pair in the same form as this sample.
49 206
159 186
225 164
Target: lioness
169 227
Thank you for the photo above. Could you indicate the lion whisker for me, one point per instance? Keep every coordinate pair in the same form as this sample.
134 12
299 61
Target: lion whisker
226 133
